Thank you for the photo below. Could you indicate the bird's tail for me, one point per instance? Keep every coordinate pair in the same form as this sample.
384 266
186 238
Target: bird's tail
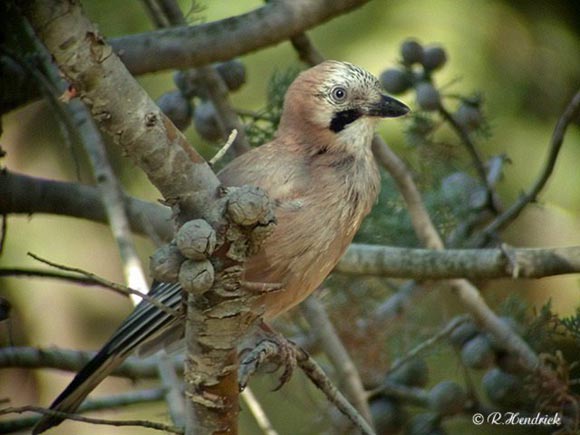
75 393
146 324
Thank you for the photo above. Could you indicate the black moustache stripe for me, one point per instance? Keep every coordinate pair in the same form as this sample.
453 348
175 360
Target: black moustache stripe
341 119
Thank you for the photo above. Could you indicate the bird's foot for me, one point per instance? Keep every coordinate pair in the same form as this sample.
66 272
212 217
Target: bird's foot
271 348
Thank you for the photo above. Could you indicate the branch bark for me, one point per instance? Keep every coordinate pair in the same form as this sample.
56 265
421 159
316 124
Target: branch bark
122 108
187 47
74 360
23 194
423 264
465 290
27 195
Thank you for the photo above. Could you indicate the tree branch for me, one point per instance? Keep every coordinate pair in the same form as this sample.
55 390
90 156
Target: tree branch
99 421
320 324
121 107
570 113
74 360
187 47
28 195
428 235
214 86
425 264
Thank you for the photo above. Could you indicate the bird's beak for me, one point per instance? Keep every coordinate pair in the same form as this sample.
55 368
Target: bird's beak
388 107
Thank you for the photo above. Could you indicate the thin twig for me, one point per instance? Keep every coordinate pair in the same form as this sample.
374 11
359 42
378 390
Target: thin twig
322 327
223 150
476 158
39 273
570 113
444 332
109 284
100 421
315 373
258 412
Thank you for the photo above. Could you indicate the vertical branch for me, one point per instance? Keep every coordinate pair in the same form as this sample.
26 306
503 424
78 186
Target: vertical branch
111 197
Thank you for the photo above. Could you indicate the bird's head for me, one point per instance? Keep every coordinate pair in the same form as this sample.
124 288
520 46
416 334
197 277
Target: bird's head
337 102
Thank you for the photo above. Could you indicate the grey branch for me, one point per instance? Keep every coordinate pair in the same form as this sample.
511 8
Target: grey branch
422 264
187 47
74 360
28 195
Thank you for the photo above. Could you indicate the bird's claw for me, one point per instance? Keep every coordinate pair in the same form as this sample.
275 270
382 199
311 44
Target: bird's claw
273 349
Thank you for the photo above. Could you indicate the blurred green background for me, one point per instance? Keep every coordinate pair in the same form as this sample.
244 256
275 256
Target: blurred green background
524 56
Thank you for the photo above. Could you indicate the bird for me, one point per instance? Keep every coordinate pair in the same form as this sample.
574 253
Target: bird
321 175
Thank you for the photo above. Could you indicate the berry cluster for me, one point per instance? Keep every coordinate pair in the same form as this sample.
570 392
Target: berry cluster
418 64
178 104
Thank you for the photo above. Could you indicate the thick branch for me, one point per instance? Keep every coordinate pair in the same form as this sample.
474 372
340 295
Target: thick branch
423 264
28 195
24 194
186 47
121 107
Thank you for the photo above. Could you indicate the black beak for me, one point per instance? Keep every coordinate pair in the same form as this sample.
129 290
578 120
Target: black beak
388 107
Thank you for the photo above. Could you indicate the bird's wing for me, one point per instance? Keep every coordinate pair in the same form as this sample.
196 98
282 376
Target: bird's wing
147 327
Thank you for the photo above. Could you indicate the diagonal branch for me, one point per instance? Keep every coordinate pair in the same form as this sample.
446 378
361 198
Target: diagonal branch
570 113
122 108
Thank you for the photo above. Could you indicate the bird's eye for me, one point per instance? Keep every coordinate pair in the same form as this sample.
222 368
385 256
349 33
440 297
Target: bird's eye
338 93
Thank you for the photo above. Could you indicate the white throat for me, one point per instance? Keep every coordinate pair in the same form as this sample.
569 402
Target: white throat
356 137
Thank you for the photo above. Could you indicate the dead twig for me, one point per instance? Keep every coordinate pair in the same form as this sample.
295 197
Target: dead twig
108 284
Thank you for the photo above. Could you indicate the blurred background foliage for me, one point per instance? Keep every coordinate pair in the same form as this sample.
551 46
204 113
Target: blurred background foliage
522 56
